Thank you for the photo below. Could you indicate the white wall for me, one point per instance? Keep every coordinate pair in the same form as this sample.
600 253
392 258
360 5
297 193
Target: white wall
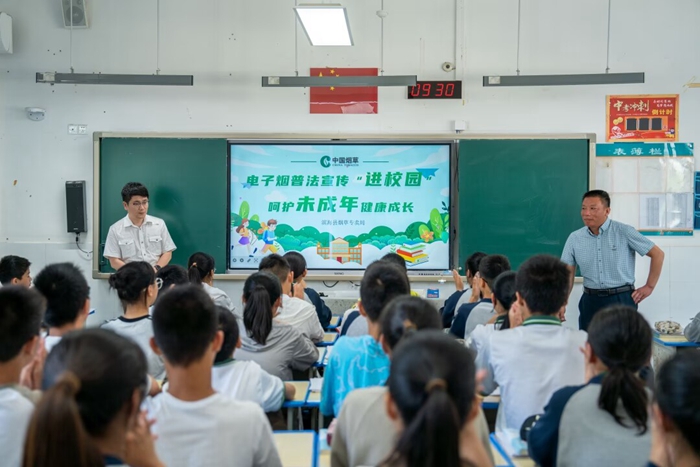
228 45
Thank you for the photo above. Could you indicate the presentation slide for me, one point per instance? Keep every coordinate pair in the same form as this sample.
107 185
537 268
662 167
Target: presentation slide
342 206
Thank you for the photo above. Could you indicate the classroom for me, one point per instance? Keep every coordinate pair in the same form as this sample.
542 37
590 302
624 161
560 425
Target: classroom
477 126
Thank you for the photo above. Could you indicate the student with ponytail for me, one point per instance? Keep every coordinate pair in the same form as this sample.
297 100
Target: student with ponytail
277 347
433 404
137 288
676 413
364 434
604 422
89 416
200 270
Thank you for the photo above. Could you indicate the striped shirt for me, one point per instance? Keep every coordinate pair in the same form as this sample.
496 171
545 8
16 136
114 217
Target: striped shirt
606 260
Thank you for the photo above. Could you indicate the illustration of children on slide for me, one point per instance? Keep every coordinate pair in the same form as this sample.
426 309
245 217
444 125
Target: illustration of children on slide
268 236
245 234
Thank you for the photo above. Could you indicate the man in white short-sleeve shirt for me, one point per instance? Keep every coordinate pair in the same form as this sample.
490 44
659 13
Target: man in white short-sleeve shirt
138 236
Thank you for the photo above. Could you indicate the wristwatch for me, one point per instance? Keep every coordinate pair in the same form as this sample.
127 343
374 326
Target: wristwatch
158 268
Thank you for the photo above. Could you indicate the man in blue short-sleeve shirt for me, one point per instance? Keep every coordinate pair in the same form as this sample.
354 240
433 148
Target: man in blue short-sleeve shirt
604 250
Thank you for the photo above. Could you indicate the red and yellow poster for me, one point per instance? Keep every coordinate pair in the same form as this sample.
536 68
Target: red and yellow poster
643 117
344 100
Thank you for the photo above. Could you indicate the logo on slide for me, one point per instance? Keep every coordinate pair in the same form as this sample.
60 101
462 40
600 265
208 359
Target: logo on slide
326 161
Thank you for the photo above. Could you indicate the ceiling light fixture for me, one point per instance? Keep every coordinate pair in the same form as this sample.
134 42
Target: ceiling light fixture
325 25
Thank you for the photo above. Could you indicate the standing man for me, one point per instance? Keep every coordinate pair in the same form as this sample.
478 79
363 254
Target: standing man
138 236
604 251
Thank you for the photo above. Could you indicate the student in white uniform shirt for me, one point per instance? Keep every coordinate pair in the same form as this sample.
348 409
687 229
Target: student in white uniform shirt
137 288
194 424
138 236
200 270
532 361
294 311
21 311
503 298
67 300
90 415
274 345
245 380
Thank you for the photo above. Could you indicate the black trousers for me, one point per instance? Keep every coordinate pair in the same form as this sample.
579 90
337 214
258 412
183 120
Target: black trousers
591 304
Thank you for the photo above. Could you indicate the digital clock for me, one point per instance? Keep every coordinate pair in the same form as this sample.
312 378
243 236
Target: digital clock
436 90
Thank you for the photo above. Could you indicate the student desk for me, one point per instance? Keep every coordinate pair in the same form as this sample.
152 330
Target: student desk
329 338
502 459
335 323
666 345
491 402
297 448
304 398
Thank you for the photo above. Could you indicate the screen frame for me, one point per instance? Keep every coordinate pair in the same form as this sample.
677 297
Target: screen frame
354 274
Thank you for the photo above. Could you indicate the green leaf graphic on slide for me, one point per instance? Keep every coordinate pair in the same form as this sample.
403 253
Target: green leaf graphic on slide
423 229
245 209
437 223
255 218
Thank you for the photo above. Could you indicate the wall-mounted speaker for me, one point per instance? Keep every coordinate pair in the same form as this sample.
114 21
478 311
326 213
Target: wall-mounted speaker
77 15
76 208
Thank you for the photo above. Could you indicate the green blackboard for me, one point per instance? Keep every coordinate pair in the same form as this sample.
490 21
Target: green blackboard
520 197
187 181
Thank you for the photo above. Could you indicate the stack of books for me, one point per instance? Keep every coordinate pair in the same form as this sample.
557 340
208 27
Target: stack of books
413 253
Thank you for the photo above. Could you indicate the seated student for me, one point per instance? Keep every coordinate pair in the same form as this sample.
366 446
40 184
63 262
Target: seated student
364 434
245 380
297 263
136 286
532 361
360 362
200 269
21 311
194 424
676 413
468 316
433 404
14 270
293 310
94 382
503 298
354 324
274 345
67 300
172 275
462 295
604 422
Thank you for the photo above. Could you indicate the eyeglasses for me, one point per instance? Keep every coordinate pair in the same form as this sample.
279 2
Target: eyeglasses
138 204
159 283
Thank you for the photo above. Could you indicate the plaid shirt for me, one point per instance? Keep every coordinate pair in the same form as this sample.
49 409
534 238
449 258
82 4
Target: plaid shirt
606 260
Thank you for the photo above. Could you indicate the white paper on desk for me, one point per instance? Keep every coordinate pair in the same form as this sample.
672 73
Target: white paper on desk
679 211
652 212
651 174
510 441
680 173
604 174
315 384
625 175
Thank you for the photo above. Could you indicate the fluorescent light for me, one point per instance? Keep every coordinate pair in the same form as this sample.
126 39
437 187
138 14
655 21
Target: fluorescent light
325 24
339 81
564 80
98 78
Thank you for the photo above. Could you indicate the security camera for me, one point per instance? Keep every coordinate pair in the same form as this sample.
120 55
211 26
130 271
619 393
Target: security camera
447 66
35 113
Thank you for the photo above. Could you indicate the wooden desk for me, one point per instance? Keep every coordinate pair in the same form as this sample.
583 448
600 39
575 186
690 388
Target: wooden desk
297 448
502 459
491 402
666 345
295 405
335 322
329 338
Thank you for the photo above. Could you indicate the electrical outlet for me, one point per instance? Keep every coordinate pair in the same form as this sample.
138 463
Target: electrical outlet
82 129
72 129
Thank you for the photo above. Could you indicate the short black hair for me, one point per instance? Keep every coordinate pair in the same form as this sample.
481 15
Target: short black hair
21 312
172 274
382 282
491 266
543 282
13 267
405 315
276 265
66 291
229 325
131 282
184 324
297 263
132 189
395 258
603 195
504 289
472 263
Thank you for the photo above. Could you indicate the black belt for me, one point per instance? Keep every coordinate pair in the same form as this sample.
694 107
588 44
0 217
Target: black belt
608 292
